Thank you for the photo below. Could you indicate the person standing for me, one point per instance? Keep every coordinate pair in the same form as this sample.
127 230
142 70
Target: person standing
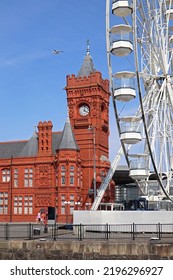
38 218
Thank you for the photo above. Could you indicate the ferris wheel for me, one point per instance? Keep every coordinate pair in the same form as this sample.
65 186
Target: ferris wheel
139 36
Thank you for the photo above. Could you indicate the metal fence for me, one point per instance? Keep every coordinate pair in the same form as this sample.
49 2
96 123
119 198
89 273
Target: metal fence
84 232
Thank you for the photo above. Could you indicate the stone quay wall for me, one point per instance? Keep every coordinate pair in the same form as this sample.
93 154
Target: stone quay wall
85 250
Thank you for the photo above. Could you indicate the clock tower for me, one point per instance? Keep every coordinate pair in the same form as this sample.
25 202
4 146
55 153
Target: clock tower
88 102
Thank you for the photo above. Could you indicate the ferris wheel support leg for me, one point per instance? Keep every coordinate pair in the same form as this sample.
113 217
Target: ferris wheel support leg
106 181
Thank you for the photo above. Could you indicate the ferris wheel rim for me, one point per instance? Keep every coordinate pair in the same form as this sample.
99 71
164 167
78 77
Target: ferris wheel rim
138 74
114 164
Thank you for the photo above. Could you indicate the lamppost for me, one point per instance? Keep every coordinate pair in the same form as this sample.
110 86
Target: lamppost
92 128
66 210
11 187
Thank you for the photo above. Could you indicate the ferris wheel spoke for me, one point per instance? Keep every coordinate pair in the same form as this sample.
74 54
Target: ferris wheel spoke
154 43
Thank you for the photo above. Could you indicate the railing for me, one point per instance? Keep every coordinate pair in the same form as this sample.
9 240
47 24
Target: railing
84 232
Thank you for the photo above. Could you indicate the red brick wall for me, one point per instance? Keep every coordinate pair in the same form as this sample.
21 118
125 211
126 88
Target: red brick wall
47 188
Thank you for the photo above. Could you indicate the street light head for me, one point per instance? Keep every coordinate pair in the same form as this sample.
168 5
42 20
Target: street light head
66 202
77 203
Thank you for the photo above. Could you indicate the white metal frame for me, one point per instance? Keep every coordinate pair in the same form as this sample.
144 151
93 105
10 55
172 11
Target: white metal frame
153 56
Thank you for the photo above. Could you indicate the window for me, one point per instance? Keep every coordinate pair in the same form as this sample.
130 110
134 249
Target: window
62 179
63 210
28 204
63 204
5 209
71 179
28 177
15 177
3 203
5 175
71 209
18 205
71 203
6 201
71 175
71 199
62 175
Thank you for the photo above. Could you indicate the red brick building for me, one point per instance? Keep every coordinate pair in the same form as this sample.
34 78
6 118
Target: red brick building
56 169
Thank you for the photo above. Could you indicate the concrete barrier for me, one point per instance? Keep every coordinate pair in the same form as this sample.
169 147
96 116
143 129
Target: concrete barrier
124 218
67 249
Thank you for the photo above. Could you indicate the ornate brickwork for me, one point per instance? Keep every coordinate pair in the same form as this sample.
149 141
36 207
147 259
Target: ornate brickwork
57 169
43 200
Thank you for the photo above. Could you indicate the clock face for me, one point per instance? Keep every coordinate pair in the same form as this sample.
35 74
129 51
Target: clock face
84 110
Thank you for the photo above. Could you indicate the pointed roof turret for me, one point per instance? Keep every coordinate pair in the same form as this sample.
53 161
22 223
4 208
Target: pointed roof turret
87 67
68 141
31 146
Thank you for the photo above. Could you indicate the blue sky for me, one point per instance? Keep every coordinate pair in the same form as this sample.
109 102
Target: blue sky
31 77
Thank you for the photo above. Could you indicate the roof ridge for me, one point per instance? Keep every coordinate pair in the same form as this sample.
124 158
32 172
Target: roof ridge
13 141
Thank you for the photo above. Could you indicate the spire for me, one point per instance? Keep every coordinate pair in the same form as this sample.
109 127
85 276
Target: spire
68 141
88 48
68 118
87 67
